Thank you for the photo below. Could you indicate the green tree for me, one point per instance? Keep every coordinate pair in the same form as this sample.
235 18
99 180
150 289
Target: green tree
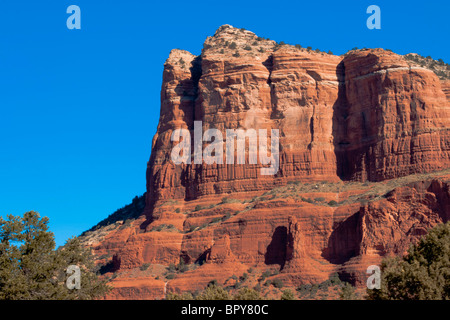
347 292
214 292
247 294
31 268
423 274
288 295
277 283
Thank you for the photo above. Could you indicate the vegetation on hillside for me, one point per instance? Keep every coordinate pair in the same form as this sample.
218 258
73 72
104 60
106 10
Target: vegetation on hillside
129 212
439 67
423 274
31 268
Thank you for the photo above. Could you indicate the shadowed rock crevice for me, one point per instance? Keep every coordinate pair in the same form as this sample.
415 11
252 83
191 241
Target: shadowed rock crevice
340 125
276 250
344 241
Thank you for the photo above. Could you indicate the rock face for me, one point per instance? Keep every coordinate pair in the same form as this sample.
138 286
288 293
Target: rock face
349 129
395 118
367 116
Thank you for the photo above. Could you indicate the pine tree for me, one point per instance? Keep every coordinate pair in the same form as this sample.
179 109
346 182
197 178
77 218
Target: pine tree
423 274
214 292
247 294
31 268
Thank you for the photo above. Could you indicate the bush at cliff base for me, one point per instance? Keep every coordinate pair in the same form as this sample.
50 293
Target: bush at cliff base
423 274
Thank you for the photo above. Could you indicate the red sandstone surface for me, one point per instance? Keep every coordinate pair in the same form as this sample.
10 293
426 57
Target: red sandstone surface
362 140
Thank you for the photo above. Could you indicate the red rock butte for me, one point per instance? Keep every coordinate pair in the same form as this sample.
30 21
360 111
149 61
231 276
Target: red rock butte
364 148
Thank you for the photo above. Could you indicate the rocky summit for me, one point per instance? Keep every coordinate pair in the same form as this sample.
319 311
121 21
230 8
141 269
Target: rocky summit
364 153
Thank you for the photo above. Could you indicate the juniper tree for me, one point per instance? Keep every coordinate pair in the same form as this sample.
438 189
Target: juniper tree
31 268
423 274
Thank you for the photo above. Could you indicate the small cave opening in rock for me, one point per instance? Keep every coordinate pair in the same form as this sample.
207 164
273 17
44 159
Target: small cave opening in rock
276 250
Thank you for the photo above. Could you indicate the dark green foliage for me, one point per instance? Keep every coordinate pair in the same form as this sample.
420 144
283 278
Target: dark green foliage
163 227
236 54
332 203
213 283
423 274
131 211
226 216
247 294
182 267
334 279
170 276
226 200
309 291
214 292
232 45
144 266
307 200
304 289
171 268
288 295
439 67
325 285
278 283
265 274
31 268
215 220
347 292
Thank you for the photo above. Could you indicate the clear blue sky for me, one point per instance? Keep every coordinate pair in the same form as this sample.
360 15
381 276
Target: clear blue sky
79 108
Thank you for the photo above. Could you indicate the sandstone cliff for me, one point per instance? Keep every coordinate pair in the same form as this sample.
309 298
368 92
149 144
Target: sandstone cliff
361 137
367 116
